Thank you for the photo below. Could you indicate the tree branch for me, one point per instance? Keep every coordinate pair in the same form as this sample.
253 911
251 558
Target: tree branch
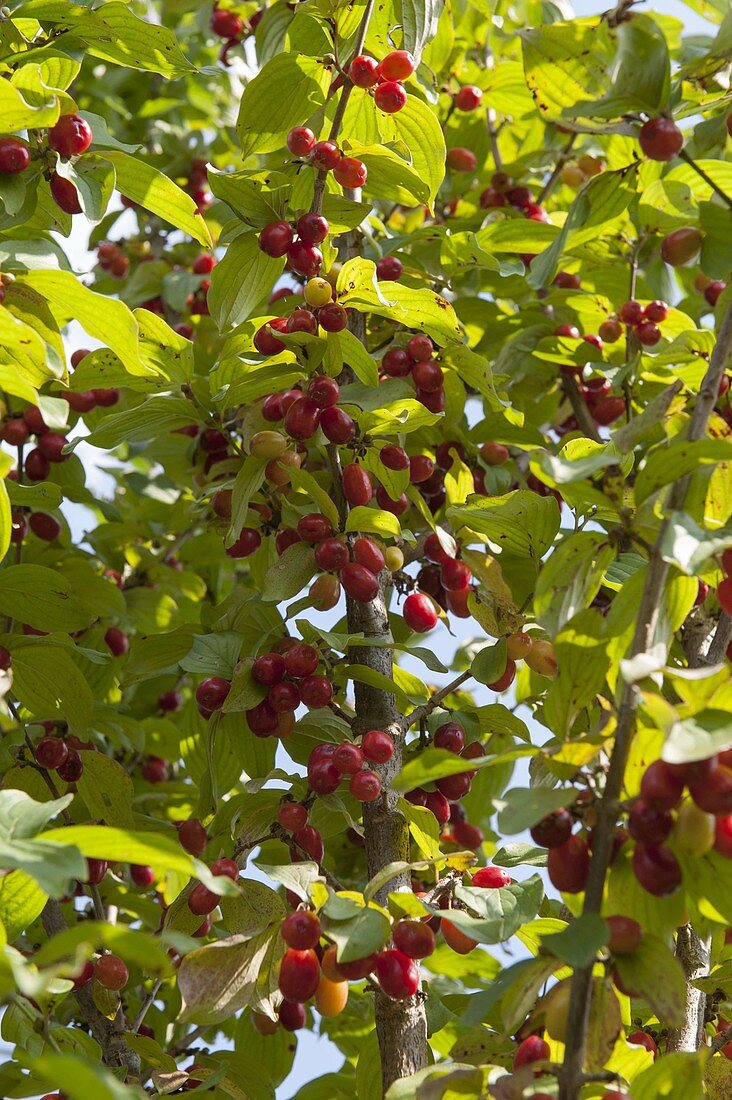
608 807
579 408
420 713
556 170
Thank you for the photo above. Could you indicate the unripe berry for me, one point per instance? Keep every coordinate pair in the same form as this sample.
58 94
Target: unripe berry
318 292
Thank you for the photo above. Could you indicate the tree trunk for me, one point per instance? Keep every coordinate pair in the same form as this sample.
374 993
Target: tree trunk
693 954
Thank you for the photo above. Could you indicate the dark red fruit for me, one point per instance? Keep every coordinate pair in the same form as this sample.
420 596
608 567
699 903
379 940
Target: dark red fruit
553 830
292 1015
51 752
363 71
70 136
348 758
365 786
413 938
117 641
302 419
305 259
36 466
202 901
398 974
300 141
324 391
192 836
530 1050
72 768
315 691
312 228
14 156
142 875
111 972
568 865
396 363
211 692
660 139
65 194
390 97
292 816
301 930
368 553
44 527
325 155
299 975
661 787
308 841
301 659
625 934
649 825
468 98
357 486
359 582
420 613
656 869
389 268
378 746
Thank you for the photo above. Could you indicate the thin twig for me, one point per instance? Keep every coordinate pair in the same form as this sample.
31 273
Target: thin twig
419 713
720 641
683 155
579 408
146 1004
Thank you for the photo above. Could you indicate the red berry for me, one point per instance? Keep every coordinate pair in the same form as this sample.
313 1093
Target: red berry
569 864
723 836
365 786
714 794
390 97
608 410
337 425
276 238
631 312
461 160
142 875
36 466
713 290
211 692
292 816
310 841
305 259
312 228
420 613
51 752
266 343
359 582
204 264
300 141
192 836
357 486
248 542
553 830
625 934
450 736
202 901
490 198
301 930
649 825
398 974
656 869
468 836
455 574
154 769
648 334
656 311
413 938
117 641
65 195
428 376
301 659
565 280
348 758
302 419
363 71
468 98
660 139
532 1049
292 1015
70 136
315 691
283 697
226 24
350 172
299 975
96 869
398 65
111 972
378 747
44 527
367 553
610 331
72 768
262 720
681 247
14 156
661 787
491 878
333 317
15 431
389 268
325 155
396 363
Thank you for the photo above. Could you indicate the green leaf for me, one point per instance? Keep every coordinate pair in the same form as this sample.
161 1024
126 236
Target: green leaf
80 1078
518 854
42 598
376 520
104 318
148 420
419 19
356 929
671 461
290 573
152 189
53 866
490 663
653 973
580 942
114 33
688 546
416 127
135 946
522 807
286 90
217 980
242 281
698 736
571 578
49 683
415 308
22 817
676 1076
520 522
21 901
107 790
499 913
305 482
355 356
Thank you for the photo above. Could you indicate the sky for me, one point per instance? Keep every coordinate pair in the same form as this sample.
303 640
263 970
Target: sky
316 1055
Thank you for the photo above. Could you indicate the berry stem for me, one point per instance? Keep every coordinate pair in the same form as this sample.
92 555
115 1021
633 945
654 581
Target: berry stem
607 810
420 713
707 179
320 180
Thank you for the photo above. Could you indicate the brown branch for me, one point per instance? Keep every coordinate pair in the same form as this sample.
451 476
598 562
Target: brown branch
693 954
420 713
720 641
721 1040
608 807
579 408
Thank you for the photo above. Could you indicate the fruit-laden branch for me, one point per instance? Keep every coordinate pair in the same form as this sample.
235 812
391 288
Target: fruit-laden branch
572 1072
110 1034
